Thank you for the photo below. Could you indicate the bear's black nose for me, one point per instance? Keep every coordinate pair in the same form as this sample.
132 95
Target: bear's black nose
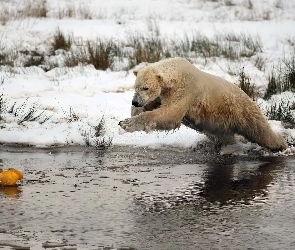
135 104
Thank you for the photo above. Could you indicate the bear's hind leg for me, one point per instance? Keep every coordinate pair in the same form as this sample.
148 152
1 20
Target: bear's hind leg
262 134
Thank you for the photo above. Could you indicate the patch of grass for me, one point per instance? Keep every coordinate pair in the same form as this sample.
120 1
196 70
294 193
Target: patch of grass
4 15
2 105
259 62
61 41
101 141
281 79
99 129
28 114
72 116
251 45
146 49
35 9
229 3
246 85
34 61
250 5
101 54
290 73
229 46
9 57
85 13
29 8
282 111
291 41
274 85
266 15
108 54
140 48
278 4
70 11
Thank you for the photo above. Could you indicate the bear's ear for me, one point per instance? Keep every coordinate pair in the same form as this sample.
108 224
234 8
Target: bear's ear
135 72
160 77
164 81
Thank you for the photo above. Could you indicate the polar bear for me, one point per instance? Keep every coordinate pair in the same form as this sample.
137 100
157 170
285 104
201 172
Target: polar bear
173 91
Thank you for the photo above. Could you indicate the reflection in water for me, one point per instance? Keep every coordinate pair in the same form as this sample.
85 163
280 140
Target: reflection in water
10 191
223 186
222 181
217 217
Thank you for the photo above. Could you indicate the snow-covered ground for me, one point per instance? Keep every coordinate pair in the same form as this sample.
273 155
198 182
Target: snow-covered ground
68 103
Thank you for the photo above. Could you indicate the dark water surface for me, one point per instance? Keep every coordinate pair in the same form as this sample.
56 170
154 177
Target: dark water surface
126 198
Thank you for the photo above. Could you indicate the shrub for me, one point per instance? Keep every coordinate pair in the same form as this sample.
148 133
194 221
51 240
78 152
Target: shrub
72 116
4 15
146 49
101 141
34 61
246 85
101 54
282 111
282 79
25 113
9 58
2 105
259 62
274 85
290 73
60 41
230 46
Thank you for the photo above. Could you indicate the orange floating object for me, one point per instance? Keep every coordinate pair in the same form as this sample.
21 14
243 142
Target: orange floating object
10 177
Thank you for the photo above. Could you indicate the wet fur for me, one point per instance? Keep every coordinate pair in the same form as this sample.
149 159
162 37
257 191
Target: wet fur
173 91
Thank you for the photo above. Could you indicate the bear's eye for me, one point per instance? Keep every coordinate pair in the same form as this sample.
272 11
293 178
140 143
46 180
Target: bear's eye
145 88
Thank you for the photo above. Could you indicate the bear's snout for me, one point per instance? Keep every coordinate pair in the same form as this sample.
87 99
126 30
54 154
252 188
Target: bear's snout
136 104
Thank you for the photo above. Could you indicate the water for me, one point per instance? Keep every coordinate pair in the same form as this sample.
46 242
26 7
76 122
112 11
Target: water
126 198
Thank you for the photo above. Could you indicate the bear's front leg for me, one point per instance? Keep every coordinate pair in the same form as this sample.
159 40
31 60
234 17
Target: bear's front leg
133 124
159 119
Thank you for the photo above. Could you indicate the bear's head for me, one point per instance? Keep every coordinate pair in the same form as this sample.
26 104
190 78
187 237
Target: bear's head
148 88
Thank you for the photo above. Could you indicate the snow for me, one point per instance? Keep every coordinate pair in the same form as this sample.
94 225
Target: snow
76 99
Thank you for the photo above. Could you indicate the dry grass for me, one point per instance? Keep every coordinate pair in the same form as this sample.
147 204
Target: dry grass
100 140
282 111
81 12
281 78
37 9
105 53
61 41
246 85
24 9
100 54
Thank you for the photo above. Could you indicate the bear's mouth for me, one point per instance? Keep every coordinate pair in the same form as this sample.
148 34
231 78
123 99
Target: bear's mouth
153 104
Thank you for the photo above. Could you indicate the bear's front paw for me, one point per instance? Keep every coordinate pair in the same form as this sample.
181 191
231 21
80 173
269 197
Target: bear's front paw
136 110
130 125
